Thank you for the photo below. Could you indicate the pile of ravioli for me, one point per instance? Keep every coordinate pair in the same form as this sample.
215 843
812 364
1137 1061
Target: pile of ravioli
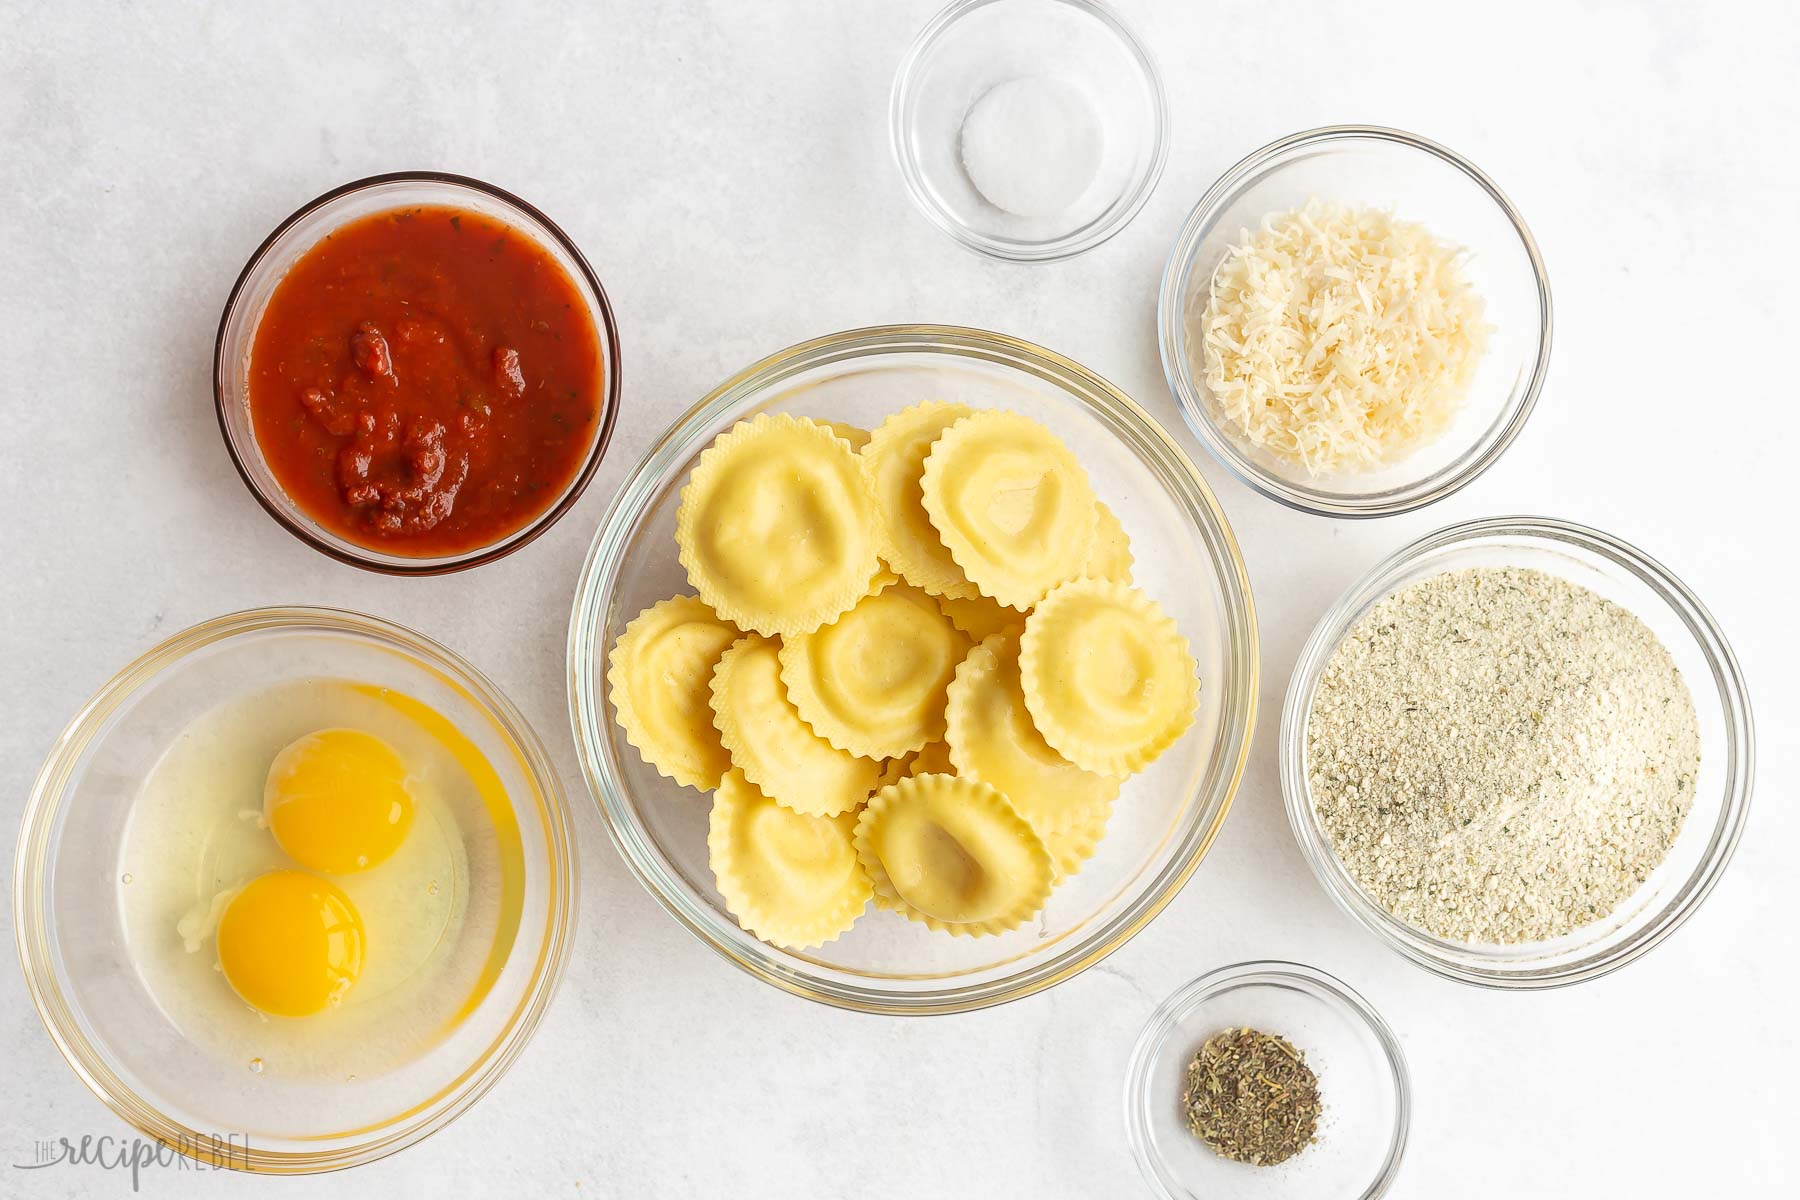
915 670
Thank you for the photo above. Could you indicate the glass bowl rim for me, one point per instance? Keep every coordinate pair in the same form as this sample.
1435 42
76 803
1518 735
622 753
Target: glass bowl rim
586 692
1322 985
364 558
1186 389
1070 244
39 832
1550 533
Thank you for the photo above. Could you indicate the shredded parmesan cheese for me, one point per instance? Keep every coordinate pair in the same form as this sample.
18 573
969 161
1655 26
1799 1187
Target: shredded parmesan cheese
1339 340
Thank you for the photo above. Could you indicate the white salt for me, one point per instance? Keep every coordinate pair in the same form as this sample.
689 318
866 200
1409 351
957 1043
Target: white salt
1031 145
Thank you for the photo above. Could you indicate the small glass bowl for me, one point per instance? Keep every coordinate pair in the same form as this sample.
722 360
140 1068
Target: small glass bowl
1620 573
1420 181
301 232
69 920
1364 1090
973 46
1167 816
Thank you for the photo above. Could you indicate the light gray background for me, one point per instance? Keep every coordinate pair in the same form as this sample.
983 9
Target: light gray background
726 169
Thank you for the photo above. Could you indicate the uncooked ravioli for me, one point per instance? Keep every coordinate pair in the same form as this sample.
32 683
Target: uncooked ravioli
776 526
979 616
790 878
940 653
660 681
893 462
1107 676
1011 504
873 681
1110 555
777 750
953 854
992 739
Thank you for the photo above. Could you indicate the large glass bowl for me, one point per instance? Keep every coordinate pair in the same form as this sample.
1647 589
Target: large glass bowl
70 922
1187 559
1628 577
1421 181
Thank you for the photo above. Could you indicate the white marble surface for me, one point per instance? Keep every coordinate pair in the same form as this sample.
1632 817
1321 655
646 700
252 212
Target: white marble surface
726 168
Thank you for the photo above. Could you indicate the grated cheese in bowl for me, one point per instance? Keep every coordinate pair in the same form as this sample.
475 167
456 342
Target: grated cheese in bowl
1339 339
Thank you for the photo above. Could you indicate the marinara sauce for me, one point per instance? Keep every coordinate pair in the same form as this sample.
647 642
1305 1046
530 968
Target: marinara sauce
425 381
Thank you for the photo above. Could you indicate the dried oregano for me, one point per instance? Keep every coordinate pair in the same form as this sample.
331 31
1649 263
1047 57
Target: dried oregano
1251 1097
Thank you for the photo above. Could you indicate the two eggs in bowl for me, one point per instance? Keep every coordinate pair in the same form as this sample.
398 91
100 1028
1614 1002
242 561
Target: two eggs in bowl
350 919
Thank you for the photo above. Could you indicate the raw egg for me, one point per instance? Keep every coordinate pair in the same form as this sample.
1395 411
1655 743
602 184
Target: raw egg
290 944
338 800
388 960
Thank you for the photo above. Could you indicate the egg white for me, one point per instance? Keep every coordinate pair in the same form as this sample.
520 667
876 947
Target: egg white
196 835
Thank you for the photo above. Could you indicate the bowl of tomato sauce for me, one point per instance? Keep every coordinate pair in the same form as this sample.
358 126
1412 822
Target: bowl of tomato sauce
417 373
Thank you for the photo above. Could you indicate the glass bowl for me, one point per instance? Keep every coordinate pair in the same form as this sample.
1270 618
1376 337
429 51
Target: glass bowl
70 919
1364 1091
298 234
1421 181
1626 576
975 45
1166 817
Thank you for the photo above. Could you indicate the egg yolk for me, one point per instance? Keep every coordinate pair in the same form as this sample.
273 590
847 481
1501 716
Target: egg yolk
290 944
338 800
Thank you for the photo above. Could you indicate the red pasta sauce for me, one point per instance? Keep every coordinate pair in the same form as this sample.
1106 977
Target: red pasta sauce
426 381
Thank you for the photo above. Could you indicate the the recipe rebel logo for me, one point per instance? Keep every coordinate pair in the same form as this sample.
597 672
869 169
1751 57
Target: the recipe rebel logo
193 1152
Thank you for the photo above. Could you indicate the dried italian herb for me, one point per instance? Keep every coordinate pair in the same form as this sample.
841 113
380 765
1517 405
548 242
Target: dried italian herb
1251 1097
